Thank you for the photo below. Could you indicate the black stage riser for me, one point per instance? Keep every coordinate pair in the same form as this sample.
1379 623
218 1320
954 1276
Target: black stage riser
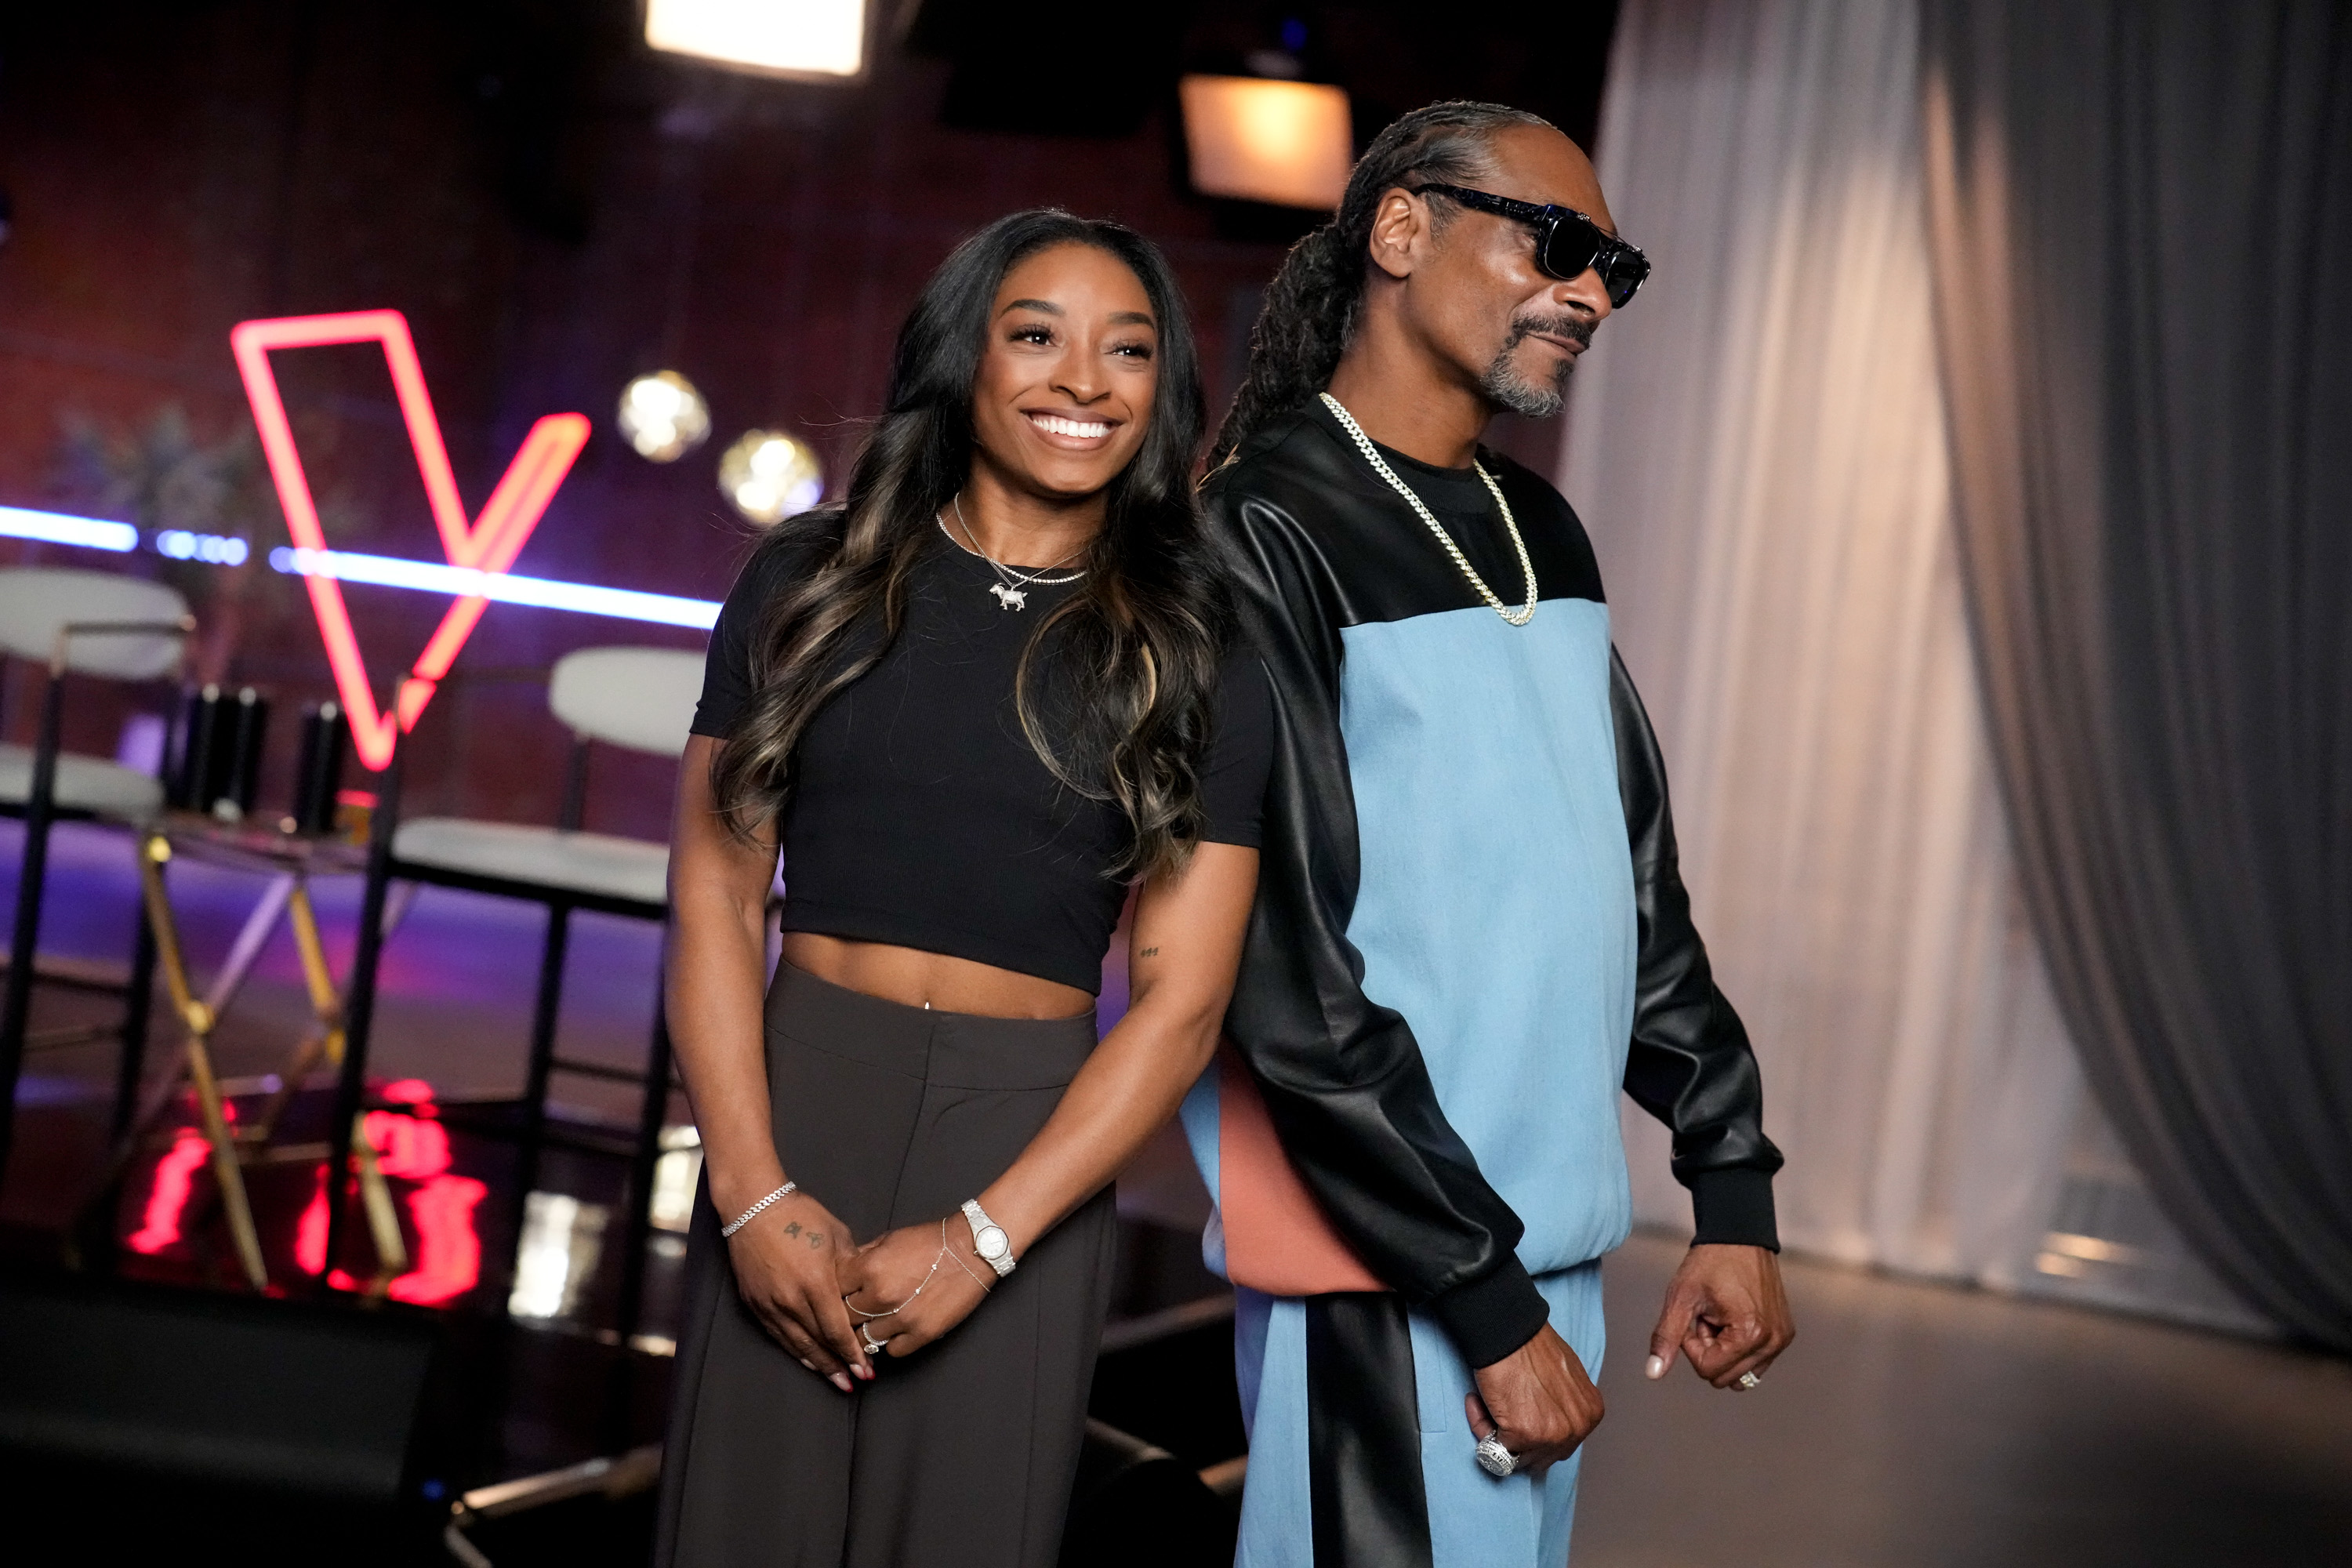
222 1392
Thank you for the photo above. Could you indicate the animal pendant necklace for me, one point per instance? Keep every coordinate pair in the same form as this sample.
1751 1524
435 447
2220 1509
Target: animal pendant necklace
1008 595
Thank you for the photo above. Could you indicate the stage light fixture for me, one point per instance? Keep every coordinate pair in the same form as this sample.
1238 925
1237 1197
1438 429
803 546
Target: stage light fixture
783 37
769 477
60 528
663 416
216 549
376 571
504 588
1287 143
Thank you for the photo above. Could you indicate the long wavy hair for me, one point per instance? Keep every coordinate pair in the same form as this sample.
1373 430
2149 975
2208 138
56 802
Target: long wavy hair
1133 652
1312 305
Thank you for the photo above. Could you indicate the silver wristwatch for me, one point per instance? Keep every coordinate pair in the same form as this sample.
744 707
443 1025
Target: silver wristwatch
988 1238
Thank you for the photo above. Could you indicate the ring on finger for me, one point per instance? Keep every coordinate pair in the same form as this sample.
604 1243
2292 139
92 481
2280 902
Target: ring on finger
1494 1459
1747 1380
867 1339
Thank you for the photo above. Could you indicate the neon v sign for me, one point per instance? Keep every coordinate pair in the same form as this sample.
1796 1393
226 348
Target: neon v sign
489 543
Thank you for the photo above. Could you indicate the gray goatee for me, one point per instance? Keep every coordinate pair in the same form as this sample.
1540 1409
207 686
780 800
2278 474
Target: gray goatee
1509 388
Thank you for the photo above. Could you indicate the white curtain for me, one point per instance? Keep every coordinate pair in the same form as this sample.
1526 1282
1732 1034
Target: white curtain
1757 443
1758 446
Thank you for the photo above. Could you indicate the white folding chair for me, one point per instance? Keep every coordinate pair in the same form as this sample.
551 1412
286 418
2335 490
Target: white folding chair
106 626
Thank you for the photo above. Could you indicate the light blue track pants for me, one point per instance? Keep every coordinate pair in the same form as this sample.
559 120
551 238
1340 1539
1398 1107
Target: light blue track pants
1474 1520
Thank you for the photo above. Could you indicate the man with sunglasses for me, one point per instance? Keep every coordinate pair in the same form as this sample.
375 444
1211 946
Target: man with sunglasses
1470 930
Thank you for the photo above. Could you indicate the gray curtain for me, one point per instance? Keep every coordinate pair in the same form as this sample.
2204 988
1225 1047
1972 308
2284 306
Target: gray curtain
2141 222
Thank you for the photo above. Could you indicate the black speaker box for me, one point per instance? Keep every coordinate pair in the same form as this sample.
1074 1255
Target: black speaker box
157 1417
1137 1506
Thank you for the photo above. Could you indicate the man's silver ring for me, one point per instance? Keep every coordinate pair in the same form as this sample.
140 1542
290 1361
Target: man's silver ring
1494 1459
1749 1380
867 1340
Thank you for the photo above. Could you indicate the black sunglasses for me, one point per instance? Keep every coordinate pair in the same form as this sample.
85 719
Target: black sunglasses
1566 242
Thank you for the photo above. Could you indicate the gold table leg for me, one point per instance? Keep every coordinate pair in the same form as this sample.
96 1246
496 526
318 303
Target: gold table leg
384 1223
199 1020
326 1006
326 1003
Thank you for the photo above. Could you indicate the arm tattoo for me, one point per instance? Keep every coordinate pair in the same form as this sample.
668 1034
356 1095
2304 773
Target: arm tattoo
1149 953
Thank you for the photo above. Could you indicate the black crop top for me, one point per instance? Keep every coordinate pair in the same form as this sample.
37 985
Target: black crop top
920 816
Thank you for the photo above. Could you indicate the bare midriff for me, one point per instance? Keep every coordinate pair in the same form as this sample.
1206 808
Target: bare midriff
914 978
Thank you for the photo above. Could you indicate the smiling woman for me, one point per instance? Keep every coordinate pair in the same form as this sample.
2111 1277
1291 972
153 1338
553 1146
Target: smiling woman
1036 333
969 708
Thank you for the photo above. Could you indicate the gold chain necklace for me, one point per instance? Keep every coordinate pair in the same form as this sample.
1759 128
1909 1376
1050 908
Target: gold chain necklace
1517 617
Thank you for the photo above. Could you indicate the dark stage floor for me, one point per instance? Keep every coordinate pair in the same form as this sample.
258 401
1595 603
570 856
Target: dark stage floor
1921 1427
1911 1424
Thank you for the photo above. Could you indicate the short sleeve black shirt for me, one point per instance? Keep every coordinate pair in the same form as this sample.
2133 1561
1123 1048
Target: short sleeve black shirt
920 814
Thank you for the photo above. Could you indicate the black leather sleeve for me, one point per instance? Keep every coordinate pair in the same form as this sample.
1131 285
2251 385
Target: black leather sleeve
1343 1078
1690 1065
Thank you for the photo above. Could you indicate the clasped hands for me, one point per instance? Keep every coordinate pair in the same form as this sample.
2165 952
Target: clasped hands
806 1279
1725 1312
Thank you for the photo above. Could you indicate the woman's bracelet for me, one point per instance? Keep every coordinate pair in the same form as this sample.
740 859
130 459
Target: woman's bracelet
919 1290
746 1217
985 1287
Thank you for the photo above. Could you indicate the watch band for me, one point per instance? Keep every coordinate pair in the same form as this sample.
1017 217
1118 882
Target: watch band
988 1238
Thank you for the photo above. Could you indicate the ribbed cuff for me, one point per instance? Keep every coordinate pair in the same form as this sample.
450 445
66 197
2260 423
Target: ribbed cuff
1734 1207
1491 1316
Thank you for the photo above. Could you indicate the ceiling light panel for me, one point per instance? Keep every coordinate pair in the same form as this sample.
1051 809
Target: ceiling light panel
785 38
1254 139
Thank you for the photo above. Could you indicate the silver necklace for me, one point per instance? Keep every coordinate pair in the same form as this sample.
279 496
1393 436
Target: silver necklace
1517 617
1008 596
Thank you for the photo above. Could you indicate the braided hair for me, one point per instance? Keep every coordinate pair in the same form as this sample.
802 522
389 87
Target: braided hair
1312 304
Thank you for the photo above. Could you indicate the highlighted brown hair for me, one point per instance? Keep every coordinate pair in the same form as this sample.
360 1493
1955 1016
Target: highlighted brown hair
1134 651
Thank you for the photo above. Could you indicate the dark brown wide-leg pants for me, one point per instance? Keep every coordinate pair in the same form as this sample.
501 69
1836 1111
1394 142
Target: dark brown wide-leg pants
961 1455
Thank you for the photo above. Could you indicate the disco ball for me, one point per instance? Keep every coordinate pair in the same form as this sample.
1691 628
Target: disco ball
663 416
769 477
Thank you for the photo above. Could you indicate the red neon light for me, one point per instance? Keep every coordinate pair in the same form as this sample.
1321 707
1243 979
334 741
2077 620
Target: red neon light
448 1249
491 542
168 1198
413 1148
409 1147
311 1233
415 1091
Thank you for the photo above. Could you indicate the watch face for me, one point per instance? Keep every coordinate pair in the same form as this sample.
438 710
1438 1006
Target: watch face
991 1244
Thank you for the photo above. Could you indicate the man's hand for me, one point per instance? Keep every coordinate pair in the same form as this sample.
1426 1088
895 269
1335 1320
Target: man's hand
1726 1310
1538 1399
785 1263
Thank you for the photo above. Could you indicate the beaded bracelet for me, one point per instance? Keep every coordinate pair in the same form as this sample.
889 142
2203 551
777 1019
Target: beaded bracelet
745 1217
